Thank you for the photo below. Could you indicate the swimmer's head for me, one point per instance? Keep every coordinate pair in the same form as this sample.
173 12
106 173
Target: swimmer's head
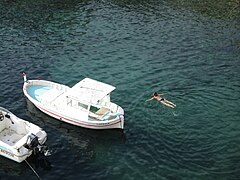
155 94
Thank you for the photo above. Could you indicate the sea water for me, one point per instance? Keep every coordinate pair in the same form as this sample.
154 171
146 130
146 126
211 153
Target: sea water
188 50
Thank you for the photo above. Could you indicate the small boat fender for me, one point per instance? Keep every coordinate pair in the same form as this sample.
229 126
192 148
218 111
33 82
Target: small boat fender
1 116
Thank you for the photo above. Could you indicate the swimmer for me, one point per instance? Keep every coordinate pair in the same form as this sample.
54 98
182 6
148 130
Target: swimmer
162 100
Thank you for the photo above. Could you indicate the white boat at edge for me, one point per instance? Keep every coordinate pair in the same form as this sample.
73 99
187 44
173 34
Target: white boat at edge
19 138
86 104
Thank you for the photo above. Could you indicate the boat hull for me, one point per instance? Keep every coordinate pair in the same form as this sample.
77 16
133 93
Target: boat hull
118 124
13 156
62 114
14 136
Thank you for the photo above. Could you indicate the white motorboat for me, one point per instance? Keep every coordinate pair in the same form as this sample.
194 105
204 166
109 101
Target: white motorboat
19 139
86 104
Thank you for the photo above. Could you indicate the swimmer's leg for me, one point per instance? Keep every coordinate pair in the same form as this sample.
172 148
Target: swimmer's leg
167 104
171 103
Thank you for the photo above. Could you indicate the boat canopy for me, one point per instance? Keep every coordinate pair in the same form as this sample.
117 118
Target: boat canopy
89 90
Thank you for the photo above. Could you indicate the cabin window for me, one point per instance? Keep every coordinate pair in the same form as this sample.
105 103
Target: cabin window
94 109
82 105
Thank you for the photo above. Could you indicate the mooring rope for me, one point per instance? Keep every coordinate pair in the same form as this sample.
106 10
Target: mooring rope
33 170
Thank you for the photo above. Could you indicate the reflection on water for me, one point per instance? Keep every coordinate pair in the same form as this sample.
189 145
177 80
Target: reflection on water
226 9
11 169
74 147
88 143
34 14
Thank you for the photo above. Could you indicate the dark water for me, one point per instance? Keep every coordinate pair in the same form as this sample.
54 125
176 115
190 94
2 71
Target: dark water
186 49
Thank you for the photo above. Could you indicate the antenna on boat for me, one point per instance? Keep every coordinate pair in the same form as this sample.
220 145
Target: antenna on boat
24 76
33 170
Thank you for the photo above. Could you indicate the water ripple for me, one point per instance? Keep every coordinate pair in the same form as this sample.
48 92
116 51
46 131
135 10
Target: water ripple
140 47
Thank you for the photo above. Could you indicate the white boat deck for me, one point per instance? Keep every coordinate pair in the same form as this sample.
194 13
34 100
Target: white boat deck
51 95
10 137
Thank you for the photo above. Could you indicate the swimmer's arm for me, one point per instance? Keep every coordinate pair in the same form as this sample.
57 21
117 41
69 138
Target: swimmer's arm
149 99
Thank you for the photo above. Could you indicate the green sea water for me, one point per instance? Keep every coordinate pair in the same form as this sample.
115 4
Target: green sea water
189 50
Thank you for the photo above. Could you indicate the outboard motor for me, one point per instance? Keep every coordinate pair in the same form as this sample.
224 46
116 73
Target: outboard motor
34 145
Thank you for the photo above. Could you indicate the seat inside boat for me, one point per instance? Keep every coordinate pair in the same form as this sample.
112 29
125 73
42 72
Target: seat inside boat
11 133
97 114
102 111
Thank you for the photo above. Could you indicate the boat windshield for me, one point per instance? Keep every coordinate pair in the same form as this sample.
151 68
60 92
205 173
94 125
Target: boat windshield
94 109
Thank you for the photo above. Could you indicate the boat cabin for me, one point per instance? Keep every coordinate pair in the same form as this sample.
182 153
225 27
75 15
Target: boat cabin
90 96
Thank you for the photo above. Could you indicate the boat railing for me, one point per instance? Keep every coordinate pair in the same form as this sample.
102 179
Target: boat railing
60 87
3 109
110 105
54 85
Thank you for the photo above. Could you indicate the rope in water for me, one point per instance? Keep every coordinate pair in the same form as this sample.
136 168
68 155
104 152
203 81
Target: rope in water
33 170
